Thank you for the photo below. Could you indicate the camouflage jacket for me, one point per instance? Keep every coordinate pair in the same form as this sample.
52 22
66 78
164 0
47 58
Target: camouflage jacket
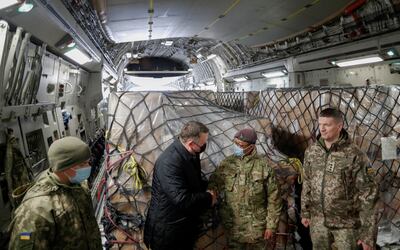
250 196
55 216
339 185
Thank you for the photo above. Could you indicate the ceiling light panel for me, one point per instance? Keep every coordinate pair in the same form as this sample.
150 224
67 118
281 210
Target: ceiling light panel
78 56
359 61
273 74
7 3
241 79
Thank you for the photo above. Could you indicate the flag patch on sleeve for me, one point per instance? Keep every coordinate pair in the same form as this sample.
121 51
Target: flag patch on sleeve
25 236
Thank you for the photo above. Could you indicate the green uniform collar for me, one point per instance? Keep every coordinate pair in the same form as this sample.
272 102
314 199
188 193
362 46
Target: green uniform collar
343 140
249 157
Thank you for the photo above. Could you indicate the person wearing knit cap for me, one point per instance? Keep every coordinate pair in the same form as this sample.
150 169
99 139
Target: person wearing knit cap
56 212
245 183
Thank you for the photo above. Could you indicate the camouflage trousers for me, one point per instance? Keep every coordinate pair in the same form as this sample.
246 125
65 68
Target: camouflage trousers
324 238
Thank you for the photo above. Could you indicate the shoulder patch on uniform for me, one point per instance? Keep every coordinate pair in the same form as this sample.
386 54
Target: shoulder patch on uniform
25 236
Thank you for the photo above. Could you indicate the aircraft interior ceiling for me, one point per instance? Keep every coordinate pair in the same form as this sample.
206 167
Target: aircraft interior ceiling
273 32
125 75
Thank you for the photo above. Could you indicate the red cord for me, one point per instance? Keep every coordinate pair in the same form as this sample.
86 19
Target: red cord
100 187
109 168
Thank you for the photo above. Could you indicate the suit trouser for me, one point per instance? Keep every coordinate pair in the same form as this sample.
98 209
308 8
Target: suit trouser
323 237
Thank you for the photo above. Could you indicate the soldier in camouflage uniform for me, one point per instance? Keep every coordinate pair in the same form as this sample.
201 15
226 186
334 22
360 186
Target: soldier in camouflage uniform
339 191
246 184
56 213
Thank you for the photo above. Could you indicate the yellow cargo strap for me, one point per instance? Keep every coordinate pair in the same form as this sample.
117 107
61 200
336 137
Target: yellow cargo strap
134 170
296 163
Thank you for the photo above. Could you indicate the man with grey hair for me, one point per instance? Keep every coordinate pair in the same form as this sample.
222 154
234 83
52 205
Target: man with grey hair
178 194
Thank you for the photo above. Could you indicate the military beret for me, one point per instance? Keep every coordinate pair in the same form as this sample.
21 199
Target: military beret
67 152
247 135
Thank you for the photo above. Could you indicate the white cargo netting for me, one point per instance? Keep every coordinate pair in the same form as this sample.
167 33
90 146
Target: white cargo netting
143 124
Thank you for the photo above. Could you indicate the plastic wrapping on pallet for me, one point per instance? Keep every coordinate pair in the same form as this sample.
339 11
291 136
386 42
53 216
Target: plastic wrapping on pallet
147 122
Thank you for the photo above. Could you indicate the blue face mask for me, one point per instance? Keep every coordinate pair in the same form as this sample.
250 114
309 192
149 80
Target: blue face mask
81 175
238 151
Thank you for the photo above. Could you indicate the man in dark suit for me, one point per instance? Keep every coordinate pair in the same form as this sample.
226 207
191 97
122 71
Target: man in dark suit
179 195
